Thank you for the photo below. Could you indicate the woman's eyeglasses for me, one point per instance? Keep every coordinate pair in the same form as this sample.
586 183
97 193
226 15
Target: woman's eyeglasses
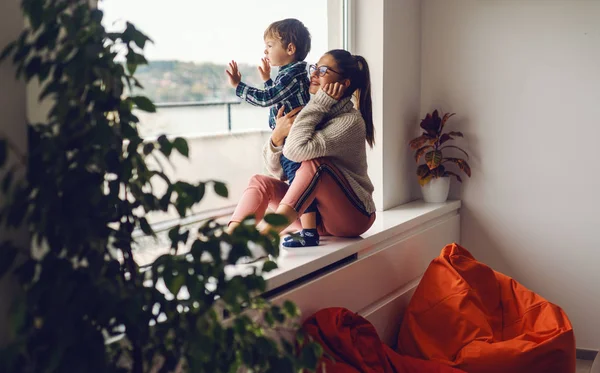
321 70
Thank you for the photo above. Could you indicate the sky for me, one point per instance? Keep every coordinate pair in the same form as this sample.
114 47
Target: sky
217 30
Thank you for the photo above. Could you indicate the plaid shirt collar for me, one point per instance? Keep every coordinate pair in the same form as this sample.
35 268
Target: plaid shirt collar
298 65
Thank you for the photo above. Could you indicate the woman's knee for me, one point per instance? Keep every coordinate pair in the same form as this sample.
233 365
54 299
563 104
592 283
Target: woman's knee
259 181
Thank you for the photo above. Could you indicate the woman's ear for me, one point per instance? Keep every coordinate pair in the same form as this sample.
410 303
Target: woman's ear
291 49
346 83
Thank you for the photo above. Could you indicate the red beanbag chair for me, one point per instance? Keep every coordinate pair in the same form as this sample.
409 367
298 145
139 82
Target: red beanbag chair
354 344
466 315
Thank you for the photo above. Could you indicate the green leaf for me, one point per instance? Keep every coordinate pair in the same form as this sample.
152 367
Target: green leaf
277 314
182 146
198 248
144 104
200 190
433 159
35 11
220 189
145 226
461 163
132 67
96 15
174 233
33 67
419 153
424 180
291 309
148 148
432 123
310 355
44 72
8 253
133 34
174 283
8 50
269 266
444 138
276 220
420 141
268 317
7 182
424 174
3 152
136 58
165 145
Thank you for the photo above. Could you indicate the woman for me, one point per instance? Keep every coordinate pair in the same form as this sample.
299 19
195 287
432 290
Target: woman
328 136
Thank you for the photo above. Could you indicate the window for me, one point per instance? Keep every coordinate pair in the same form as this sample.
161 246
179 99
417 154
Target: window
193 42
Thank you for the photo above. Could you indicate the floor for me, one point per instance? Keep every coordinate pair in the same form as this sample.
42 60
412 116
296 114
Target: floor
584 366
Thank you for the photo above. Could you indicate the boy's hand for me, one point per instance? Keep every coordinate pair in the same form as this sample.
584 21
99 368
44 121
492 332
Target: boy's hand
334 90
234 74
265 70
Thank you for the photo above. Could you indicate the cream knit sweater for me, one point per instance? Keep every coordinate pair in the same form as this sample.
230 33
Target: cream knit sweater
328 128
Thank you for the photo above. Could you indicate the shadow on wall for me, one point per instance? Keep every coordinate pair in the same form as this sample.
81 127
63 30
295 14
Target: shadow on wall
477 239
474 236
471 145
411 131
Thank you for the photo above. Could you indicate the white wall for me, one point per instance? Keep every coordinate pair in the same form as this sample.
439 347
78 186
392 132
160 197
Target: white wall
401 96
387 34
12 122
368 42
523 77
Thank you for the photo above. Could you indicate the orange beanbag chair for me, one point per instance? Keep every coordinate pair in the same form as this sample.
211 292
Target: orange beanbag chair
466 315
354 345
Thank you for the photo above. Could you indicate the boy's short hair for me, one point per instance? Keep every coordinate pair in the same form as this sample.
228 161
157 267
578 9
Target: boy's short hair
291 30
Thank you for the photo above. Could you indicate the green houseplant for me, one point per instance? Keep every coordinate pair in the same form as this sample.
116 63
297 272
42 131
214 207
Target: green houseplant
85 305
433 175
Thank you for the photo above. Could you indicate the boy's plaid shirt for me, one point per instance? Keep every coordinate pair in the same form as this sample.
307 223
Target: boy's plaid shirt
290 88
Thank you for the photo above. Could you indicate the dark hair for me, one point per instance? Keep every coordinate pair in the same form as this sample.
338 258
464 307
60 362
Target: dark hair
291 30
356 69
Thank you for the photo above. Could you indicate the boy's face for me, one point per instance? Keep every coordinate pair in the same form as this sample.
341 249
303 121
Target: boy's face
276 54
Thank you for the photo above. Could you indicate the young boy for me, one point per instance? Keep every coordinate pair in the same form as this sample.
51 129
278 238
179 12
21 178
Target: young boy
287 43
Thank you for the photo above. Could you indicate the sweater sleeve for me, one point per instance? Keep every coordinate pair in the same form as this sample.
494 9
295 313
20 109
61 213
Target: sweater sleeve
271 158
304 142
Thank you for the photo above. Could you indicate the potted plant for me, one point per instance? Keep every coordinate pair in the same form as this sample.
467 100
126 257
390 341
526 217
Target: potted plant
433 176
82 190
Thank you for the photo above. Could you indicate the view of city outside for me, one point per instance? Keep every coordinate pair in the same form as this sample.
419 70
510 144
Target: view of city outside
193 42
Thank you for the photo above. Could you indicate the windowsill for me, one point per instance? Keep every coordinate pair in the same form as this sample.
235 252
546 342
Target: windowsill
212 135
296 265
403 220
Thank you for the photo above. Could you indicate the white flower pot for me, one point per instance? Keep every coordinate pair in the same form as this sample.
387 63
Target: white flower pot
436 190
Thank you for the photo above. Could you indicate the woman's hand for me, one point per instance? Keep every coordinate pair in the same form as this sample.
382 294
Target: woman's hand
283 125
334 90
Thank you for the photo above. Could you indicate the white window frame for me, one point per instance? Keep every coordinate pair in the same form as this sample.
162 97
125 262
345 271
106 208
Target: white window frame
340 24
